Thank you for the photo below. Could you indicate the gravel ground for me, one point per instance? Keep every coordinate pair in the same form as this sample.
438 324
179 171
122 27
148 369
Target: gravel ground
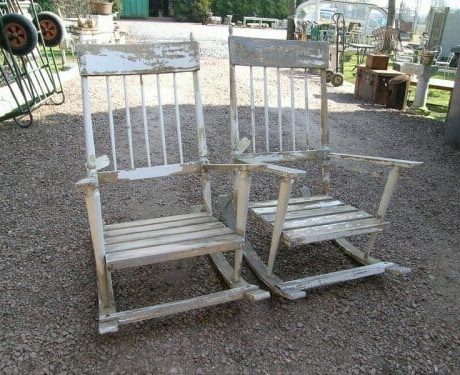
384 325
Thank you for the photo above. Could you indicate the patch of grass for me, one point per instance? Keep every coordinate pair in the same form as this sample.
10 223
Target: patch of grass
437 101
57 54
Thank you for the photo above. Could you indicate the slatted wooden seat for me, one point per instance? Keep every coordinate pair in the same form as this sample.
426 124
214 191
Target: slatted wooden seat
142 148
291 65
318 218
174 237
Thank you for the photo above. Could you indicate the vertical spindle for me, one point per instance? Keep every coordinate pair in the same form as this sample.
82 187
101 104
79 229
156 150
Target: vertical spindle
111 124
144 117
162 122
128 124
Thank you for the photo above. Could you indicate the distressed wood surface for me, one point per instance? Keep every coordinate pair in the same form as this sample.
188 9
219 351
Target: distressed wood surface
352 251
278 53
158 226
234 167
315 212
163 232
149 172
377 160
158 311
227 272
102 162
157 220
163 239
306 222
278 224
332 231
300 206
336 277
86 183
273 157
272 203
255 263
129 59
170 237
174 251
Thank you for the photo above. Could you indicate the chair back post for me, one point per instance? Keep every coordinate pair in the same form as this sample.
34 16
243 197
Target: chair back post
88 124
202 145
235 134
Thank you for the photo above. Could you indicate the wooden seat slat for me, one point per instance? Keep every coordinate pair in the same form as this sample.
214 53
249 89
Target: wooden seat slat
157 220
273 203
156 254
323 220
169 239
336 277
162 232
299 206
333 231
270 218
152 227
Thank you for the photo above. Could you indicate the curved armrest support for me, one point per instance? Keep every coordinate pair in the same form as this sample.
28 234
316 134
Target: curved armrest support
86 183
377 160
284 171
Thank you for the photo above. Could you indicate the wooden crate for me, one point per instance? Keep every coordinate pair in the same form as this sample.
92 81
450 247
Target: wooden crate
377 61
373 85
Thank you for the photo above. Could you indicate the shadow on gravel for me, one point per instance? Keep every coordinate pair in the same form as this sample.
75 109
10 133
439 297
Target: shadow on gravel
389 324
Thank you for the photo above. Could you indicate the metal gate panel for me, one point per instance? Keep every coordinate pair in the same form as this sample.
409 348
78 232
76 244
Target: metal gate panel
135 8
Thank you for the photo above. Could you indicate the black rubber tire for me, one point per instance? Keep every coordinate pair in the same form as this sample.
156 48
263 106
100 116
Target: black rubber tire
337 80
18 34
329 75
51 27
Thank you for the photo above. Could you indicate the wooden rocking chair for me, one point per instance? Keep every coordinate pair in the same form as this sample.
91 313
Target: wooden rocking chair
132 74
307 219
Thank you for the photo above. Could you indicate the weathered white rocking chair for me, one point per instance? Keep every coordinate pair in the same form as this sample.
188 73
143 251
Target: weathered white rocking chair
121 68
307 219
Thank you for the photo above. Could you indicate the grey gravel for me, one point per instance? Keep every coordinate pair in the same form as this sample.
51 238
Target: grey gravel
390 324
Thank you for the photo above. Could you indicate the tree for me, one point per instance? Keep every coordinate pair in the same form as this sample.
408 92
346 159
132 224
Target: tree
391 13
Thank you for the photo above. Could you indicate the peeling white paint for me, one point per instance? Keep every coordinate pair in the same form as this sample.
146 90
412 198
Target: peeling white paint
138 58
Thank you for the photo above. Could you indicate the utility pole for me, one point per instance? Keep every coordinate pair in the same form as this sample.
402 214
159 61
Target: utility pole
291 23
414 26
292 7
391 13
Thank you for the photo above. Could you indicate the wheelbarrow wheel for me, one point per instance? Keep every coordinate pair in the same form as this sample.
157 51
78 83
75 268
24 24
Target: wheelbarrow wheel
51 27
337 80
18 35
329 75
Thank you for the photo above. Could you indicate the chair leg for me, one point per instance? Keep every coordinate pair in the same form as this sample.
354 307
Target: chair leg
283 200
104 281
242 201
369 245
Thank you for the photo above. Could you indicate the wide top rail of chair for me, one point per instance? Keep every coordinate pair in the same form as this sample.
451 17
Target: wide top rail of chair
134 59
278 53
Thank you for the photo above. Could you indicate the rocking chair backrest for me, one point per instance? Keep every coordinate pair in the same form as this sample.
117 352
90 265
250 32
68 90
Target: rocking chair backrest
139 79
267 59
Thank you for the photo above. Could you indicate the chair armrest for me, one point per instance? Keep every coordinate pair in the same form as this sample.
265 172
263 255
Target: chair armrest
86 183
265 168
276 169
377 160
234 167
284 171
